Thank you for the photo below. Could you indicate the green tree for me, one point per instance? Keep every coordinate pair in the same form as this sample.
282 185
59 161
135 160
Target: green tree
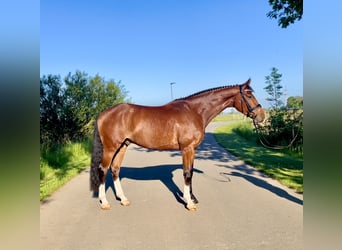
284 127
294 102
274 89
286 11
51 109
103 94
68 111
76 105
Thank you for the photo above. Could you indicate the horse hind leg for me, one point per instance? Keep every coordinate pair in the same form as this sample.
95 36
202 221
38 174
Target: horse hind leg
115 172
102 189
106 160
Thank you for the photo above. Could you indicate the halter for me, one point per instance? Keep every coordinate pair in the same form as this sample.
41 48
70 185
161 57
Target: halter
249 108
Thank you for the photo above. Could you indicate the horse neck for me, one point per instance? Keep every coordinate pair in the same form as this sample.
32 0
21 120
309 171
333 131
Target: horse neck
209 105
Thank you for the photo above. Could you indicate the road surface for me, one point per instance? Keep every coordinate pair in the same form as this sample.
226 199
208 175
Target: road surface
238 208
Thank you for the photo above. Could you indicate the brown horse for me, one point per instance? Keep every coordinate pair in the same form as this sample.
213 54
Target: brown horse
178 125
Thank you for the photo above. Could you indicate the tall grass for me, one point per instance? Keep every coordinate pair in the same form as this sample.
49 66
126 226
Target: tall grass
59 163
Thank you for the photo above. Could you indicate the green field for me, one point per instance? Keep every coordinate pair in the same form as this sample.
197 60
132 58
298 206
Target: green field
240 139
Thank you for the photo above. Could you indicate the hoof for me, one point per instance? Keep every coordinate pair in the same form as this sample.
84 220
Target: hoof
194 199
191 207
125 203
106 207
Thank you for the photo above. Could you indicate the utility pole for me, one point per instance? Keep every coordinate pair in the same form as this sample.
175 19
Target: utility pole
172 83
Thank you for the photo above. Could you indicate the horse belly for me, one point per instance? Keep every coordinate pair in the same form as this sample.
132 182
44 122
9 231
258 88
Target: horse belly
161 138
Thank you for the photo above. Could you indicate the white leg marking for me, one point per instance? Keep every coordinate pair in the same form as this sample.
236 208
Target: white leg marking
102 194
120 193
187 197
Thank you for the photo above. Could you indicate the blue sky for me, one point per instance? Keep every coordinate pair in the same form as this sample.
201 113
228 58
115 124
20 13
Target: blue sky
148 44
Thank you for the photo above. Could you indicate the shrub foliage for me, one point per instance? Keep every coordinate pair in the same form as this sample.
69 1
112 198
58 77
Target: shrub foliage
69 108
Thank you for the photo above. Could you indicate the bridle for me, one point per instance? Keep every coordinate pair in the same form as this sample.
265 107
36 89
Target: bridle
249 108
258 129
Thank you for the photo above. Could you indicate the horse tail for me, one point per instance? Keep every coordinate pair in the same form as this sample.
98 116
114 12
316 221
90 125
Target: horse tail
96 158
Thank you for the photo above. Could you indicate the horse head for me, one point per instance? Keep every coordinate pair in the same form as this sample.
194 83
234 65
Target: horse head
246 103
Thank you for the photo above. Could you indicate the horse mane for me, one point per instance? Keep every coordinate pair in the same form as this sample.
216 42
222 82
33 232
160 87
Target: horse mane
208 91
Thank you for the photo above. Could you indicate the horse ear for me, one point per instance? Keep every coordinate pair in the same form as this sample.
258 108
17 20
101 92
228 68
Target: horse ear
247 83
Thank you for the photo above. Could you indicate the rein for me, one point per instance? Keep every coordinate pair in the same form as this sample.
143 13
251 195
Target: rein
268 145
258 128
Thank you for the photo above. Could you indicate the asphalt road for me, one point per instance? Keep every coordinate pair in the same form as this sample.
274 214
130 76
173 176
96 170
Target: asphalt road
238 208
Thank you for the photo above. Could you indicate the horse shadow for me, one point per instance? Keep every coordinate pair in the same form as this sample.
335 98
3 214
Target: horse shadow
163 173
247 175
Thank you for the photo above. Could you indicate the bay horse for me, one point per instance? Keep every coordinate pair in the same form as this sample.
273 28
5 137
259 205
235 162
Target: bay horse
177 125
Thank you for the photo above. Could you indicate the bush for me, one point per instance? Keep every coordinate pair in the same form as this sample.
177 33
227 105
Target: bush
284 128
69 108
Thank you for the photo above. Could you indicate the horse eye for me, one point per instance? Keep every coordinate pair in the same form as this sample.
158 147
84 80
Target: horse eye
249 95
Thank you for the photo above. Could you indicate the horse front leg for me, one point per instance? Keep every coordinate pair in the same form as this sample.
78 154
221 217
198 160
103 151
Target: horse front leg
193 198
115 172
188 155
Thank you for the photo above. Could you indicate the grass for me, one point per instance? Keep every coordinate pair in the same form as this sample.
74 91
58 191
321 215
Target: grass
58 164
224 117
239 139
